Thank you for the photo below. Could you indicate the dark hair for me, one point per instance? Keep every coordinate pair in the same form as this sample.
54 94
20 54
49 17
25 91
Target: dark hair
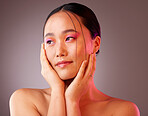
87 16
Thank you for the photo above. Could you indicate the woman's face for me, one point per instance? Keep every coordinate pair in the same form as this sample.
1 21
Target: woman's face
66 47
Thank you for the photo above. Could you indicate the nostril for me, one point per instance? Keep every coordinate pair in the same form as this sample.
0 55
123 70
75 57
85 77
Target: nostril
61 49
61 52
60 55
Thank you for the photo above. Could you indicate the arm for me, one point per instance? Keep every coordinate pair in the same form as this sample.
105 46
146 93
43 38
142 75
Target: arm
57 99
57 104
72 108
79 86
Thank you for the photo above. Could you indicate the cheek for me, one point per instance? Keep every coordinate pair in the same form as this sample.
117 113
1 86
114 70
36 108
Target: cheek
81 53
89 47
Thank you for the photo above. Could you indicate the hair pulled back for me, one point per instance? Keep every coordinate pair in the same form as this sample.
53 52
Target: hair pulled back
87 16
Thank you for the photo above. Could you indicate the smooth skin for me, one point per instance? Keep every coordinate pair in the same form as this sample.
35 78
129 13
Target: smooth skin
72 93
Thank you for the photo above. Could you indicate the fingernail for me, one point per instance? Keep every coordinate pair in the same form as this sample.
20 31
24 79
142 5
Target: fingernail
85 62
42 45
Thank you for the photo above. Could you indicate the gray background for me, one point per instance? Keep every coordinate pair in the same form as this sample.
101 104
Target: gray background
122 66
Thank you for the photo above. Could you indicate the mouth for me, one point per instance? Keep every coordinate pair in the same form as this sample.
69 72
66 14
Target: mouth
62 64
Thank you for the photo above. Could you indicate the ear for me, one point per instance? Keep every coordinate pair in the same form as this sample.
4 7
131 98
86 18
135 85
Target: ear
96 44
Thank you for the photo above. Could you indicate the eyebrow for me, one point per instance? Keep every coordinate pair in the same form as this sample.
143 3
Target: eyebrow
63 32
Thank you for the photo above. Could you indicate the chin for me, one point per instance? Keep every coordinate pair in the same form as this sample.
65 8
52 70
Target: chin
67 76
64 78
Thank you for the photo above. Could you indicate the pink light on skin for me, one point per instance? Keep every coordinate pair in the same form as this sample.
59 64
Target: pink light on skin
51 41
47 42
74 36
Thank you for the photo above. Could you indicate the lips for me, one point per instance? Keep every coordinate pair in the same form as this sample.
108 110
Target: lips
63 63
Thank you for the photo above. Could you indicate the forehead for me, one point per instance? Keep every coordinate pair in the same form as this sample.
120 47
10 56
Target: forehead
61 21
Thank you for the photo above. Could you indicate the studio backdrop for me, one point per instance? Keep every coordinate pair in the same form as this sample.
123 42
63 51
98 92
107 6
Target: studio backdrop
122 64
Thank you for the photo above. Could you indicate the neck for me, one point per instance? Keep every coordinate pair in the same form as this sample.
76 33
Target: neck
92 94
68 82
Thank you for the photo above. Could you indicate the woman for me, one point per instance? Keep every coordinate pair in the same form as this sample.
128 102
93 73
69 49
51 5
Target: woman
71 40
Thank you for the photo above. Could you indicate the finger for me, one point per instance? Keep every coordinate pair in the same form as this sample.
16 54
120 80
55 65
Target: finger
42 54
94 63
42 51
89 70
43 58
93 66
81 71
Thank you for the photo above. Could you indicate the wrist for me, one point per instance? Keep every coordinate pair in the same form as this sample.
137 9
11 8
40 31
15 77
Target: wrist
71 98
57 95
58 90
71 101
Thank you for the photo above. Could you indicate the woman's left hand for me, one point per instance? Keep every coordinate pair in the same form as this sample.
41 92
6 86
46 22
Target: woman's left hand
82 81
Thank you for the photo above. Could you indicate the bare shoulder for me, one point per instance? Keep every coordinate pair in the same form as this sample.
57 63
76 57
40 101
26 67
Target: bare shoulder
123 107
29 94
26 101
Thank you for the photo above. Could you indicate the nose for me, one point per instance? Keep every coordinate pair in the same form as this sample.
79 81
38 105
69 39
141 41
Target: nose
61 50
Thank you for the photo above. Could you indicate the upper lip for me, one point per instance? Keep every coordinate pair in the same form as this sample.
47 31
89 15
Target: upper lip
63 62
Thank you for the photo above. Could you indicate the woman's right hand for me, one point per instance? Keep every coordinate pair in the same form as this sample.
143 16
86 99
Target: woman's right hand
49 73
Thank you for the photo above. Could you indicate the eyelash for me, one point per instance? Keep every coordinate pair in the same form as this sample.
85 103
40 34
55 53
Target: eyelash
52 42
73 38
49 41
